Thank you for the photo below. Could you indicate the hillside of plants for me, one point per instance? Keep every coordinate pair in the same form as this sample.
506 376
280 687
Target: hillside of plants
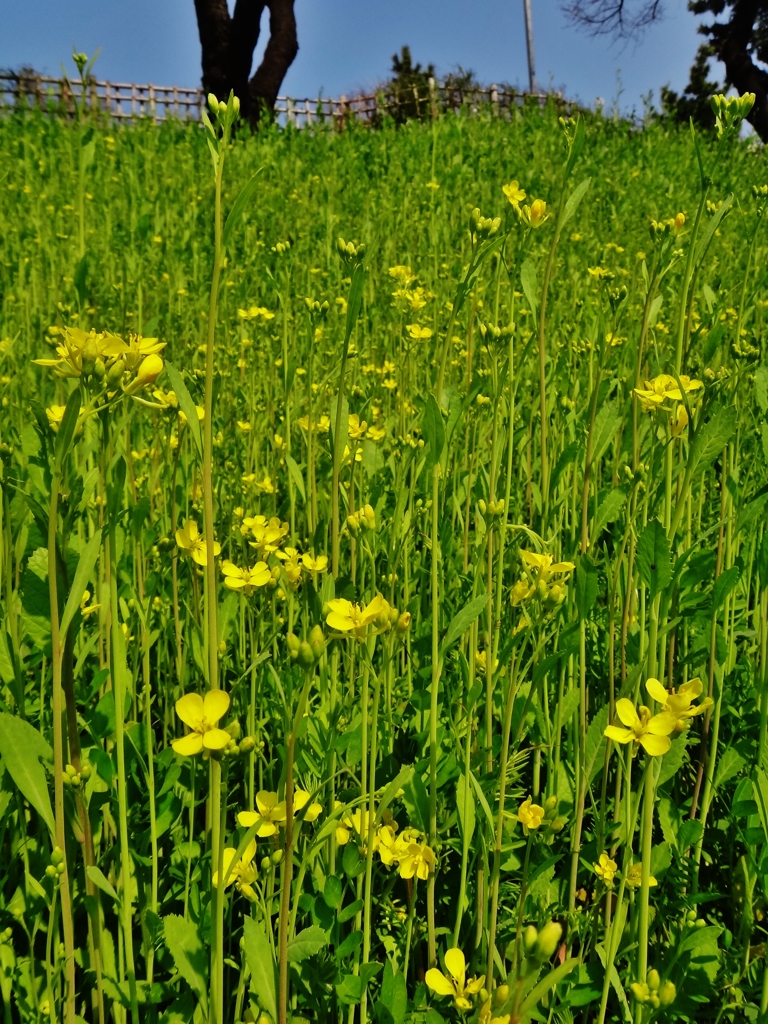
383 571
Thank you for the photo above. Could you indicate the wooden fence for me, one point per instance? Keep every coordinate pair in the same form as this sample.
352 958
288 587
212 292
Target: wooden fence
127 101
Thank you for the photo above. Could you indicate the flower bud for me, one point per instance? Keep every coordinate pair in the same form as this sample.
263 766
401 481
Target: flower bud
501 995
51 871
667 993
654 980
293 643
305 656
57 856
234 729
247 743
213 103
547 942
115 373
353 525
266 863
277 856
530 938
403 624
317 640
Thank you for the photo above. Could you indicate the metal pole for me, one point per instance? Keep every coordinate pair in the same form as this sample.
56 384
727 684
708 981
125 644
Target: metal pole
529 45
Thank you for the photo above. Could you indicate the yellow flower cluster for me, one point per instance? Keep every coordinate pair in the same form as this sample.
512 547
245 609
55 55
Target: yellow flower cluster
544 580
408 852
664 388
106 360
270 811
532 816
363 621
408 294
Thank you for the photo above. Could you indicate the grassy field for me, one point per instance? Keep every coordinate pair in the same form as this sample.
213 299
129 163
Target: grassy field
409 650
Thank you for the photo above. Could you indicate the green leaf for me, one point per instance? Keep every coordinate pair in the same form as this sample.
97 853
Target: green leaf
607 422
308 942
261 963
672 760
21 747
566 708
530 289
433 430
547 983
98 878
595 743
186 405
66 429
416 801
653 558
608 511
462 620
576 147
238 207
710 440
729 764
724 584
465 805
86 562
572 203
586 585
761 388
189 954
354 301
296 476
332 892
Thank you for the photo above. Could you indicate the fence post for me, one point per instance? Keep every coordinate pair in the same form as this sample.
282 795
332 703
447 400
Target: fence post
432 98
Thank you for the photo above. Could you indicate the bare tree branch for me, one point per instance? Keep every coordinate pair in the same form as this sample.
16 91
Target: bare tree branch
621 18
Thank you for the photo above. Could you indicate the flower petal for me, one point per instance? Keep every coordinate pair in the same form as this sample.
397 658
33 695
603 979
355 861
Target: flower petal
614 732
189 745
656 746
625 709
190 709
657 691
662 724
265 801
457 965
215 705
216 739
438 982
341 622
228 857
247 818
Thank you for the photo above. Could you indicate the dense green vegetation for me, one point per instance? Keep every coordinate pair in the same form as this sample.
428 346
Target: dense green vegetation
458 529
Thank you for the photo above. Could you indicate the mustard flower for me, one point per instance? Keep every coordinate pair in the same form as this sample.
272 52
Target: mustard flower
417 859
663 388
270 813
635 876
679 703
189 539
530 815
650 732
202 715
243 874
454 983
246 580
606 868
346 617
514 194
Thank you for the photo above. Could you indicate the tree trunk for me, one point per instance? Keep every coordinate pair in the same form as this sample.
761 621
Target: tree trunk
228 43
731 42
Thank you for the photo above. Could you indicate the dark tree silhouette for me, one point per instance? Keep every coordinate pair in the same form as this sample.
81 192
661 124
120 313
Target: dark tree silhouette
228 42
737 36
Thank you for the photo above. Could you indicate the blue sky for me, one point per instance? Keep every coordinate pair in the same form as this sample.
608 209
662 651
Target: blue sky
346 45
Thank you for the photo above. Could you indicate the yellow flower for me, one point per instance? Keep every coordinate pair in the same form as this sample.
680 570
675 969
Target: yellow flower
530 815
243 874
356 428
481 662
85 608
244 426
664 387
514 193
418 333
246 580
606 868
202 715
351 618
416 859
255 313
375 434
55 414
535 214
190 539
543 567
635 876
454 983
312 564
270 812
303 799
402 274
651 732
149 370
679 703
266 486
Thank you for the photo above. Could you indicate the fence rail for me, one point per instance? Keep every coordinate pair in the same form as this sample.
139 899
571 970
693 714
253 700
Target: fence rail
128 101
